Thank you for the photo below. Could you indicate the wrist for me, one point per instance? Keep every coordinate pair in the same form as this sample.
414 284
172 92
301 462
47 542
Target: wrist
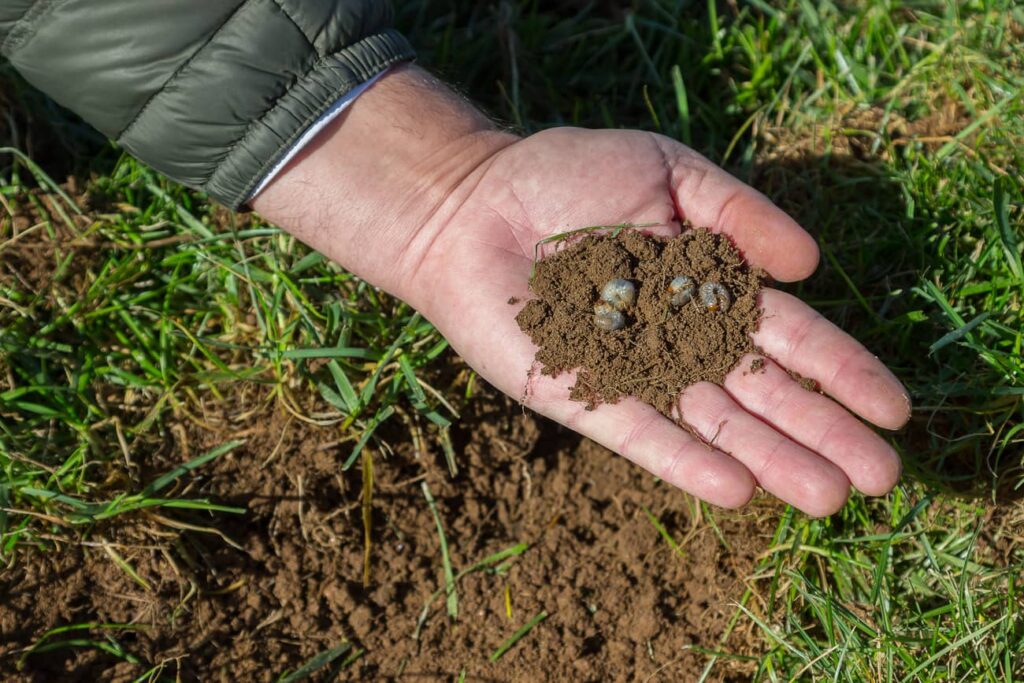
371 190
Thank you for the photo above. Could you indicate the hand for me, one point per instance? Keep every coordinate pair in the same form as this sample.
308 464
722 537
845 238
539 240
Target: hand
472 246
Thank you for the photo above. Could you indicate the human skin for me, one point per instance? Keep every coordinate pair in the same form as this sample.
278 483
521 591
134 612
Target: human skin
418 193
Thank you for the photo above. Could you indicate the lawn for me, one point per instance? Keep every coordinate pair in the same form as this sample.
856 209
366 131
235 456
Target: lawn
153 344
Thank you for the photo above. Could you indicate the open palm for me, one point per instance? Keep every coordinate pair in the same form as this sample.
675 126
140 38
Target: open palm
764 427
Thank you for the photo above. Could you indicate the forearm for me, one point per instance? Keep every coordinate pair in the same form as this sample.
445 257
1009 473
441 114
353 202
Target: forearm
373 188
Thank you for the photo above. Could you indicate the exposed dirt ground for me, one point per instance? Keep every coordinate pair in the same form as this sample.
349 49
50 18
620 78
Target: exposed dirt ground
622 604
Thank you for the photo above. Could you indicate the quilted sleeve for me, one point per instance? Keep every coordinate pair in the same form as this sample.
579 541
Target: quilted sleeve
210 92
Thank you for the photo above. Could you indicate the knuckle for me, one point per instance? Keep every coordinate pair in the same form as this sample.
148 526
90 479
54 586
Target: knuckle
636 433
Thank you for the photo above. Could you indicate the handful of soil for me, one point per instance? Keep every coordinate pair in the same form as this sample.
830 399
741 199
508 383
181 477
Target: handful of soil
645 316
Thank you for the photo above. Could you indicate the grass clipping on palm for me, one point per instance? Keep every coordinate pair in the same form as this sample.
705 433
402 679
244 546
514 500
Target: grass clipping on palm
668 337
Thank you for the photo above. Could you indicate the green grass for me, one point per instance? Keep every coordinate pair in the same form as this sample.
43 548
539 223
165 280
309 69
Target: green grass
161 306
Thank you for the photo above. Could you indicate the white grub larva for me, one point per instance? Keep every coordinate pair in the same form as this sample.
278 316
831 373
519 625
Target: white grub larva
607 317
682 289
715 296
619 293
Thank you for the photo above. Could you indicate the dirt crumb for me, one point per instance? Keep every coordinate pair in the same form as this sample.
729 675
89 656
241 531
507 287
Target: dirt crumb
809 384
661 348
806 382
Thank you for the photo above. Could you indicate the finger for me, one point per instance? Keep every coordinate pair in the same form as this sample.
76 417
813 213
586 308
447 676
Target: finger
709 197
649 439
782 467
800 339
817 423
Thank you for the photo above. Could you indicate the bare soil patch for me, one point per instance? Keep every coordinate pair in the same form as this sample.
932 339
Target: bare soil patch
622 604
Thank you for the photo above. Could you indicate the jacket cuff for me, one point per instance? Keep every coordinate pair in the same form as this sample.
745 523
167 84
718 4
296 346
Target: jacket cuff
332 112
269 138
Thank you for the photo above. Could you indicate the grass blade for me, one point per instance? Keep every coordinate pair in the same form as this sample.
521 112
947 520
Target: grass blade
446 560
316 663
301 354
656 523
162 481
345 389
682 104
382 414
187 219
126 567
958 333
44 644
1001 204
517 636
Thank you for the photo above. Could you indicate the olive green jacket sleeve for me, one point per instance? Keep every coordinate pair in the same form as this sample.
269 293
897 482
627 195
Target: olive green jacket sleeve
210 92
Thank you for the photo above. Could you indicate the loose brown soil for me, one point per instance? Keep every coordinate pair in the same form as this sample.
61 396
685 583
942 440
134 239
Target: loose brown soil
662 349
622 605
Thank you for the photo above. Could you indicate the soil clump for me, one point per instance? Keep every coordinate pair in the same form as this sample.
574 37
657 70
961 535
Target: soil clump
662 346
